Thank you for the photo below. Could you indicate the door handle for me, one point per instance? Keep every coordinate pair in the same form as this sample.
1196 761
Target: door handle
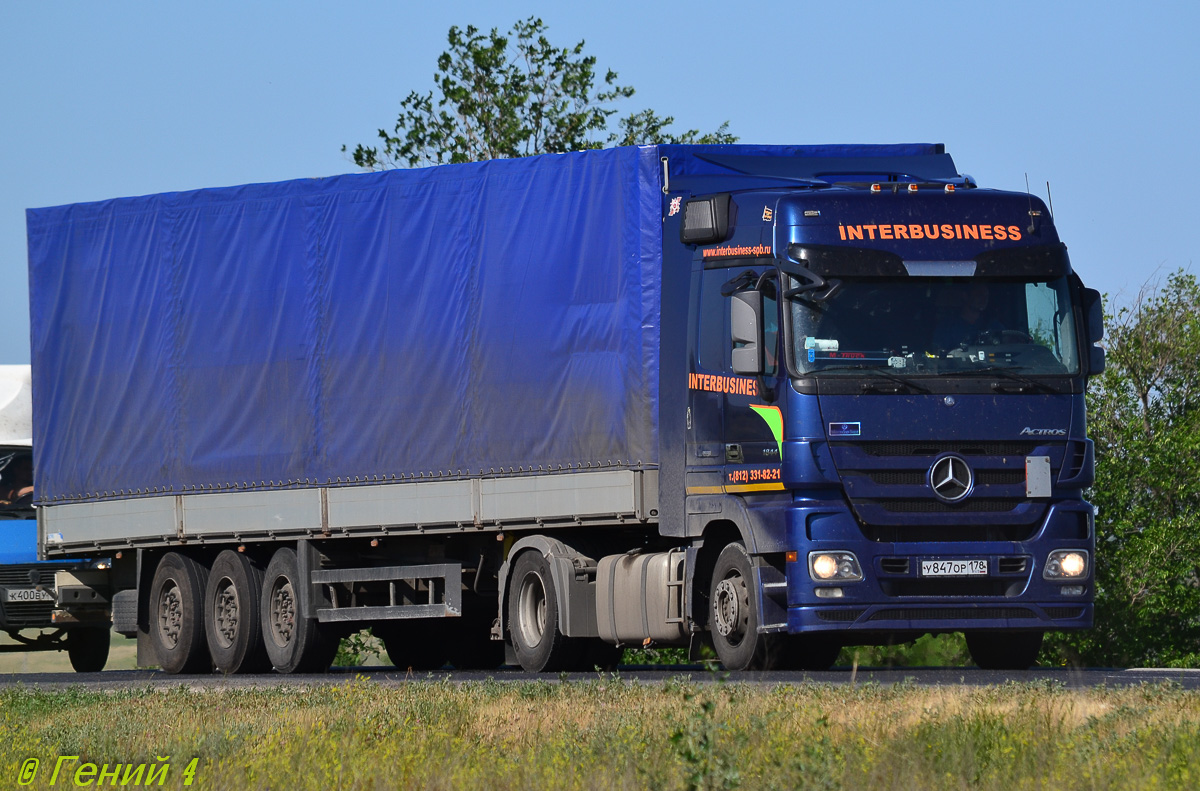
733 453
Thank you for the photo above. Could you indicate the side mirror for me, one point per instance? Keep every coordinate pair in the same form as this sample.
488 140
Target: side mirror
745 328
1093 311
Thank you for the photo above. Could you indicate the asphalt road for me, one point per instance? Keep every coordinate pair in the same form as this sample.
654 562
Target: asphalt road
1072 678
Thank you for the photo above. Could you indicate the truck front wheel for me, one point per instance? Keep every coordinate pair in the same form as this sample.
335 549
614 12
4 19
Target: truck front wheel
733 615
294 644
177 615
533 623
87 648
233 624
1004 650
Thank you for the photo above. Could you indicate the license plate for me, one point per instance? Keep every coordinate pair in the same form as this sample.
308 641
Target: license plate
28 594
954 568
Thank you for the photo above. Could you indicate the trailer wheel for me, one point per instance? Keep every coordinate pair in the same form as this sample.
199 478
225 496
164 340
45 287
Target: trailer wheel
294 644
533 617
177 615
232 622
87 648
1004 650
733 615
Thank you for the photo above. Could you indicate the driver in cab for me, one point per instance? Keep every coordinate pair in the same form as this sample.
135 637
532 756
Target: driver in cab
970 322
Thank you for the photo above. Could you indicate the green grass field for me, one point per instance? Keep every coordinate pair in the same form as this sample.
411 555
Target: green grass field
609 733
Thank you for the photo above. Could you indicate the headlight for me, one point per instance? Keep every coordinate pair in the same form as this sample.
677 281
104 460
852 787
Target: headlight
834 566
1066 564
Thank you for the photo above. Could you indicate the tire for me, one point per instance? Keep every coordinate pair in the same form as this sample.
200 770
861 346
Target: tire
533 623
418 644
733 616
1004 650
177 615
294 644
232 620
87 648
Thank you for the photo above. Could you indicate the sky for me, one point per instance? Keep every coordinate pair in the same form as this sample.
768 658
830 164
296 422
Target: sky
104 100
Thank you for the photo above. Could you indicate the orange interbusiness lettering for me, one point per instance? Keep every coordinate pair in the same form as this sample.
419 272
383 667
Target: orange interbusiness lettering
913 231
738 251
731 385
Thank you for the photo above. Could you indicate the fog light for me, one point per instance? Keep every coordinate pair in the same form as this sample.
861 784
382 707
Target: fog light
1066 564
830 593
840 566
1071 590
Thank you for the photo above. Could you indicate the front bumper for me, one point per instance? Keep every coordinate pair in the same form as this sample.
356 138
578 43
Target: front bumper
896 597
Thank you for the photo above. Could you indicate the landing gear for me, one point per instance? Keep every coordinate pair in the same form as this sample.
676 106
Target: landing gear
177 615
294 644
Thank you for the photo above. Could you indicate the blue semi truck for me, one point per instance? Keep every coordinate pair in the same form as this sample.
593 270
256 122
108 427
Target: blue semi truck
776 399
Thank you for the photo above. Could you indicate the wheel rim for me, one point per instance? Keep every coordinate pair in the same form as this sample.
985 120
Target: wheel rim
170 613
283 612
226 612
531 610
731 608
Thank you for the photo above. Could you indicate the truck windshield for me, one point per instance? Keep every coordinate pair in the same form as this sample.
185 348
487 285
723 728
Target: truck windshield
932 326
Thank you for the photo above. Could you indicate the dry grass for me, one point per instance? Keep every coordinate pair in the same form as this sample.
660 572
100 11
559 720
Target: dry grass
608 733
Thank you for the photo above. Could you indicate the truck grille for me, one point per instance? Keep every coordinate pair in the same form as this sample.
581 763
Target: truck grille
18 576
932 448
949 613
25 614
887 484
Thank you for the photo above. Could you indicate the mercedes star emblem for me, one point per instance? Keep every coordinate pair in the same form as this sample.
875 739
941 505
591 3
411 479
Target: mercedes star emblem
951 478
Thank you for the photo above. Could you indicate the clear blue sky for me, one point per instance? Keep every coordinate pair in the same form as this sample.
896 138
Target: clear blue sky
101 100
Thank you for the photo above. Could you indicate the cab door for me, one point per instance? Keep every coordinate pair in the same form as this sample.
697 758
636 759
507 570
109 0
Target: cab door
753 418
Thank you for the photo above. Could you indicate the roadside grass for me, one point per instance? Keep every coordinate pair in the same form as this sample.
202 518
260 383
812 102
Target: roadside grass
612 734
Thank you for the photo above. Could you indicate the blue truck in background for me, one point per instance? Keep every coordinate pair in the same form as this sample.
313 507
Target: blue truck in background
776 399
27 592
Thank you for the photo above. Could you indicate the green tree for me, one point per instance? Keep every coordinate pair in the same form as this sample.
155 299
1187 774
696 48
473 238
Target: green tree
1145 420
514 95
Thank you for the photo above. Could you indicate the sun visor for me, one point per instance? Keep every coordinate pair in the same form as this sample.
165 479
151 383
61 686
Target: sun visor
1038 262
834 261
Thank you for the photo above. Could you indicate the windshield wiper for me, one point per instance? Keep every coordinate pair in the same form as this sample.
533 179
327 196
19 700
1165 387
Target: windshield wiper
882 373
1007 372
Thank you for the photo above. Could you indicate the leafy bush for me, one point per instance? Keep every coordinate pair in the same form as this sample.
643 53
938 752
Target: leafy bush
1145 421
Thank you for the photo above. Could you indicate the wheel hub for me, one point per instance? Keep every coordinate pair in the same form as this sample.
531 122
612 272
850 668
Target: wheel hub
531 610
283 613
227 612
170 614
730 608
